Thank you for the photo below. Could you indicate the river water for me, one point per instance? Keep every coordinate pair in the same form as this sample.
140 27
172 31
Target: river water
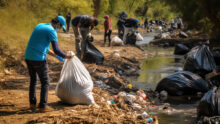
159 63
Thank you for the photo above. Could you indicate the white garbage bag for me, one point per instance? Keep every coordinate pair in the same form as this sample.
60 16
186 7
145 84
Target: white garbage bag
116 41
139 37
75 84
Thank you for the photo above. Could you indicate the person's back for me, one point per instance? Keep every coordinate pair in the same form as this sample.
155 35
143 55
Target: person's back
39 42
84 20
131 22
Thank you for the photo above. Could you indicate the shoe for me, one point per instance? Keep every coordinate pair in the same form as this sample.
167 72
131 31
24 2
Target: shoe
45 109
33 107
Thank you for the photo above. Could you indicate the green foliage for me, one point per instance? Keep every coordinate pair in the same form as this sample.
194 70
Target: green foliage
204 14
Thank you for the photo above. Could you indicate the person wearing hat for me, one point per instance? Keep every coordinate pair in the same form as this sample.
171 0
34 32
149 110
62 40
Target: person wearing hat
120 23
130 25
68 19
108 29
81 25
36 52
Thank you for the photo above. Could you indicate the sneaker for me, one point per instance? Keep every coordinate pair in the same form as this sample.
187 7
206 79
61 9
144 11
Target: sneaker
45 109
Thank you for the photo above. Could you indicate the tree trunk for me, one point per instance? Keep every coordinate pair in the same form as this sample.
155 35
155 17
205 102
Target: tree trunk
97 4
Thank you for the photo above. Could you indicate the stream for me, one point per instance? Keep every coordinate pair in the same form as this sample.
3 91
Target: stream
159 63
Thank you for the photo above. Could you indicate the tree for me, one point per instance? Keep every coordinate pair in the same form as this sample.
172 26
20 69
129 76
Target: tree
97 4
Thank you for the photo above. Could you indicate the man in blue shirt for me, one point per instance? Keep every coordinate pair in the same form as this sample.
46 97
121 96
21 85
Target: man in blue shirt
35 57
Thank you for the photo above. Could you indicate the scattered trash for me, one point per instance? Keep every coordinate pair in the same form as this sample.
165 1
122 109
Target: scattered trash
116 54
144 115
102 85
102 76
141 94
111 102
163 95
136 106
129 86
102 99
149 120
120 72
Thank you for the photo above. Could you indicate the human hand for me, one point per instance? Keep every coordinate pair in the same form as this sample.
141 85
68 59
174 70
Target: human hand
69 56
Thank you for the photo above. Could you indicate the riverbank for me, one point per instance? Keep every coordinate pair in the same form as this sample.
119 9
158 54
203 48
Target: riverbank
15 82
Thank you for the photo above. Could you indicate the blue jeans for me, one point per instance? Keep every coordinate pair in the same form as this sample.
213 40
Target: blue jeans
39 68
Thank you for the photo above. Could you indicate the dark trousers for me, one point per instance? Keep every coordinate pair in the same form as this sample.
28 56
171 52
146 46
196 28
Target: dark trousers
39 68
68 26
179 26
108 34
120 31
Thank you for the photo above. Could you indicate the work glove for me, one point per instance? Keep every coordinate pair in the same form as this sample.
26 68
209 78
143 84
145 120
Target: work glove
60 58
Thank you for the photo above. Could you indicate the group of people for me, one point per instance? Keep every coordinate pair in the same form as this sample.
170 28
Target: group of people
173 23
177 23
45 34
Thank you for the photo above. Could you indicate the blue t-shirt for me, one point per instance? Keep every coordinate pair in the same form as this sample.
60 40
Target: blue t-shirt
39 42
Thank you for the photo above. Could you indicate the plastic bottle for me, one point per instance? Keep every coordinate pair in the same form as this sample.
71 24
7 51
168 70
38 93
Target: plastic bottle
144 115
149 120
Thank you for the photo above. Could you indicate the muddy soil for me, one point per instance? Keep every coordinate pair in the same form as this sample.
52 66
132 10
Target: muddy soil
14 85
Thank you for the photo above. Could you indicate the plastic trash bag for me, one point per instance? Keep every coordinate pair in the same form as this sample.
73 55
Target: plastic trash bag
182 83
216 55
139 37
75 84
131 38
209 105
181 49
200 61
116 41
92 54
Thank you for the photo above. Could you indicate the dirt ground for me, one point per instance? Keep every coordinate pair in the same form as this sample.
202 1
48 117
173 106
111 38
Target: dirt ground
14 85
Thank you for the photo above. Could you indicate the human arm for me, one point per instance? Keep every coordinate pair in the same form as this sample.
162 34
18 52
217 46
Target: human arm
78 29
57 51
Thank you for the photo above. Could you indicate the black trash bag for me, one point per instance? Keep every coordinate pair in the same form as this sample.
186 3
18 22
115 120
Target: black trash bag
209 120
215 81
131 38
92 54
216 55
182 83
181 49
90 38
200 61
209 105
